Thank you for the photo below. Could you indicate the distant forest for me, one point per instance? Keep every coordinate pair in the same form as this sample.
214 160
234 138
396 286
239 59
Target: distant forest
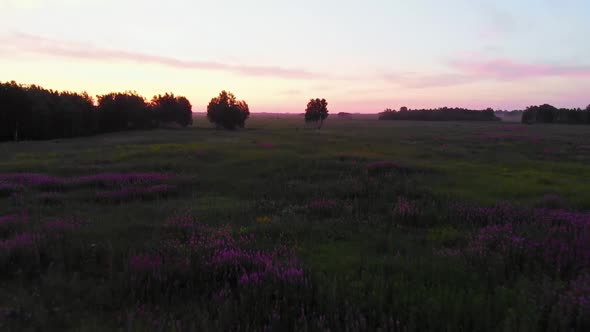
532 114
35 113
550 114
439 114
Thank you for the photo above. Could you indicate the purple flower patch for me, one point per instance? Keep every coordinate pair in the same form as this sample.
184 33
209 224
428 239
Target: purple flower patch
20 241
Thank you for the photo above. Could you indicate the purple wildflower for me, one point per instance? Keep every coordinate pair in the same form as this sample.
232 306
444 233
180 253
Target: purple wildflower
145 262
12 219
324 206
63 225
405 208
20 241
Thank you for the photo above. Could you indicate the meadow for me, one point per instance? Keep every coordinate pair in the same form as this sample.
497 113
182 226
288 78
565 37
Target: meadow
362 225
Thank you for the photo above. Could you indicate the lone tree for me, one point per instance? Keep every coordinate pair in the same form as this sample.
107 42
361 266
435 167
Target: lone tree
227 112
317 110
168 108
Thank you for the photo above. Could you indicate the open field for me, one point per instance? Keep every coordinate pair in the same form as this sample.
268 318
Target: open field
364 225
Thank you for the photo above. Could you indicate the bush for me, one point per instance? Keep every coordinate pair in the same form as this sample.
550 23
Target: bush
227 112
317 110
168 108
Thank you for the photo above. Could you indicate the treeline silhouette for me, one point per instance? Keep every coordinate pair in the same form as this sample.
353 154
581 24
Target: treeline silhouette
550 114
34 113
439 114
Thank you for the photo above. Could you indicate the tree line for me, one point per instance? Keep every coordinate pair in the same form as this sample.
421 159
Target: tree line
439 114
550 114
30 112
34 113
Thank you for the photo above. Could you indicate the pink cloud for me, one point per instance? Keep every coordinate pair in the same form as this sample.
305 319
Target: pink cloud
413 81
466 71
40 45
506 69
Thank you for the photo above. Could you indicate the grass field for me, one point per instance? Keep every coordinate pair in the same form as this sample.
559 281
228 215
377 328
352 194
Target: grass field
364 225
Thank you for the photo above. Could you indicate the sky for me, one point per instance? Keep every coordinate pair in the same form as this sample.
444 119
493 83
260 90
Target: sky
362 56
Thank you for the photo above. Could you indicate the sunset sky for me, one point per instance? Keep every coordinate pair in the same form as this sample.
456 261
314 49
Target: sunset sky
362 56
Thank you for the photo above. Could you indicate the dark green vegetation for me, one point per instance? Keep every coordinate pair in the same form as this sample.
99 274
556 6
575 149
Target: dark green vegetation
370 260
316 111
439 114
551 114
35 113
225 111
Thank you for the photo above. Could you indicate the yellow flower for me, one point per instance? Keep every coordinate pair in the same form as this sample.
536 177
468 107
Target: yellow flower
263 219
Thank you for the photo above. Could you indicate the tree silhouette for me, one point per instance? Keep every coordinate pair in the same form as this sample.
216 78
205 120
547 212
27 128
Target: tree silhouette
168 108
227 112
550 114
121 111
15 112
439 114
317 110
32 112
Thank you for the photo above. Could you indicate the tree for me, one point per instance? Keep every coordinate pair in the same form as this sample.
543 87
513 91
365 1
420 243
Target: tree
168 108
439 114
16 114
546 113
317 110
121 111
227 112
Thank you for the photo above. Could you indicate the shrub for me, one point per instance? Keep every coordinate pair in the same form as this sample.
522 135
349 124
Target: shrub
227 112
316 111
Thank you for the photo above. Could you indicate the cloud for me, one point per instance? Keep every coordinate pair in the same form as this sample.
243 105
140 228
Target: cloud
414 80
32 44
508 70
468 70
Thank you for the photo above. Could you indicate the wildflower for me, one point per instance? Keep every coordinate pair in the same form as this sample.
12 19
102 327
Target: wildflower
63 224
13 219
145 262
263 220
20 241
184 221
6 189
323 206
265 145
405 208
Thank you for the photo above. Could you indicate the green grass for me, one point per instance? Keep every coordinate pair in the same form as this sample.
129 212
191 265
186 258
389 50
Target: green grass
359 256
